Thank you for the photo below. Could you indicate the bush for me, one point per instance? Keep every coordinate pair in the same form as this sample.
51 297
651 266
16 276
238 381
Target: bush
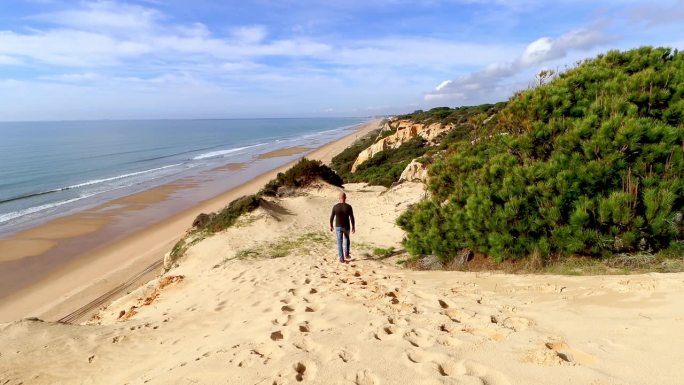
227 216
301 174
591 163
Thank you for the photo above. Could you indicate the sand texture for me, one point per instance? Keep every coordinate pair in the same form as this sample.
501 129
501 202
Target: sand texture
266 302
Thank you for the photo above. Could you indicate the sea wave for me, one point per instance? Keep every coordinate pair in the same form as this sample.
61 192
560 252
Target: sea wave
214 154
88 183
31 210
96 181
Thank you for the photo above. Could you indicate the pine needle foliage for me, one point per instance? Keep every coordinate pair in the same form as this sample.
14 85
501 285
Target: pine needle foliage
591 163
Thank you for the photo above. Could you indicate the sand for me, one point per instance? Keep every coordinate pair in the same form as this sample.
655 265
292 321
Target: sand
284 152
81 260
266 302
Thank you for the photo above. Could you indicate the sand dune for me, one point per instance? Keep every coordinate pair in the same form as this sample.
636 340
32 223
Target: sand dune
266 302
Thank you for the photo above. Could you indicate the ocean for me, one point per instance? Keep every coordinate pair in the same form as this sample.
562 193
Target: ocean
48 169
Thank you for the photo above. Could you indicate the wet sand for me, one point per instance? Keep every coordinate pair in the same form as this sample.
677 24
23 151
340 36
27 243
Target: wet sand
284 152
51 269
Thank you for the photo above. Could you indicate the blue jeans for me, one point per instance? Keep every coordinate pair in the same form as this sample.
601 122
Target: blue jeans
342 232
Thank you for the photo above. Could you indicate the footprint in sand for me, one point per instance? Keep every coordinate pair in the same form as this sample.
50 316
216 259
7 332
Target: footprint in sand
346 356
394 300
304 327
517 324
277 335
220 306
304 371
303 344
283 320
418 338
366 377
396 320
566 353
450 368
416 356
486 375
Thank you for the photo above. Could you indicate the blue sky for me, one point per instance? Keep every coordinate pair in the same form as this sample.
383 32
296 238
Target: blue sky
221 59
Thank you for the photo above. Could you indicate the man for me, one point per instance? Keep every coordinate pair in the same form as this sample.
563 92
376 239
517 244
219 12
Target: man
343 215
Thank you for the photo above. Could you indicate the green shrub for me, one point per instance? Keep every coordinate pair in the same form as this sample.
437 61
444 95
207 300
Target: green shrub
301 174
591 163
226 217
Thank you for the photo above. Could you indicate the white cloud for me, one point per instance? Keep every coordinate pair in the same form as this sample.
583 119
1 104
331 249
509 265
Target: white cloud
105 15
69 47
250 34
492 80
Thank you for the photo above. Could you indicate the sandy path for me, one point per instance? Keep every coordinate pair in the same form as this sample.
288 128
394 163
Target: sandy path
305 318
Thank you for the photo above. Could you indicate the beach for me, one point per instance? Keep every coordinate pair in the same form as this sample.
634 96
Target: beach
267 302
82 256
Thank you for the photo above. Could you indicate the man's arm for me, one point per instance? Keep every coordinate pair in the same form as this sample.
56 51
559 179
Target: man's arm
351 218
332 216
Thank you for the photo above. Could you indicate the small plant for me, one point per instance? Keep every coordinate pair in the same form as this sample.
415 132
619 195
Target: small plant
383 253
285 246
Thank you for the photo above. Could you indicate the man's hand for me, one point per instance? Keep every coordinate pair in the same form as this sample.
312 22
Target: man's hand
353 230
331 228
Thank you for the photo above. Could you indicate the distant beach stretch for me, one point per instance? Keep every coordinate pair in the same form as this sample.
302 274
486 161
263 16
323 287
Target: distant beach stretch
91 218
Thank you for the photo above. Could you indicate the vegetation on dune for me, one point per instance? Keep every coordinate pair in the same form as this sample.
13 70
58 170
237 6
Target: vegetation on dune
385 167
342 162
301 174
470 116
225 218
591 163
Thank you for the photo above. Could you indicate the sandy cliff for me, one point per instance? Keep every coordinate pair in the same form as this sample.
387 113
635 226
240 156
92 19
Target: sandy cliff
405 131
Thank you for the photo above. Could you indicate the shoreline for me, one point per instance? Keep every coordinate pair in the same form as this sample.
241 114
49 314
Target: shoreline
86 277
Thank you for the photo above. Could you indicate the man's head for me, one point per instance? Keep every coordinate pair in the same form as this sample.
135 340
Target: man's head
343 197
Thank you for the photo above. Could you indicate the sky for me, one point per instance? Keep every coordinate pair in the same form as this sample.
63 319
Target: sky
202 59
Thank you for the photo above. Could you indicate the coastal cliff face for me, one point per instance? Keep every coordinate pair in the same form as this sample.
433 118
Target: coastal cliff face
404 131
414 172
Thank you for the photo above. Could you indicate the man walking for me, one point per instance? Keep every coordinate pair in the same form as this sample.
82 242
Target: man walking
343 215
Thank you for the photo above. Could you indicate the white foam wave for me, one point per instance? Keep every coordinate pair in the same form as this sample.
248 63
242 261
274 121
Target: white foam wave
16 214
96 181
214 154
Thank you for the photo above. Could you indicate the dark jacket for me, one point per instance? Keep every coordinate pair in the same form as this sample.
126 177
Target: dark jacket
343 214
